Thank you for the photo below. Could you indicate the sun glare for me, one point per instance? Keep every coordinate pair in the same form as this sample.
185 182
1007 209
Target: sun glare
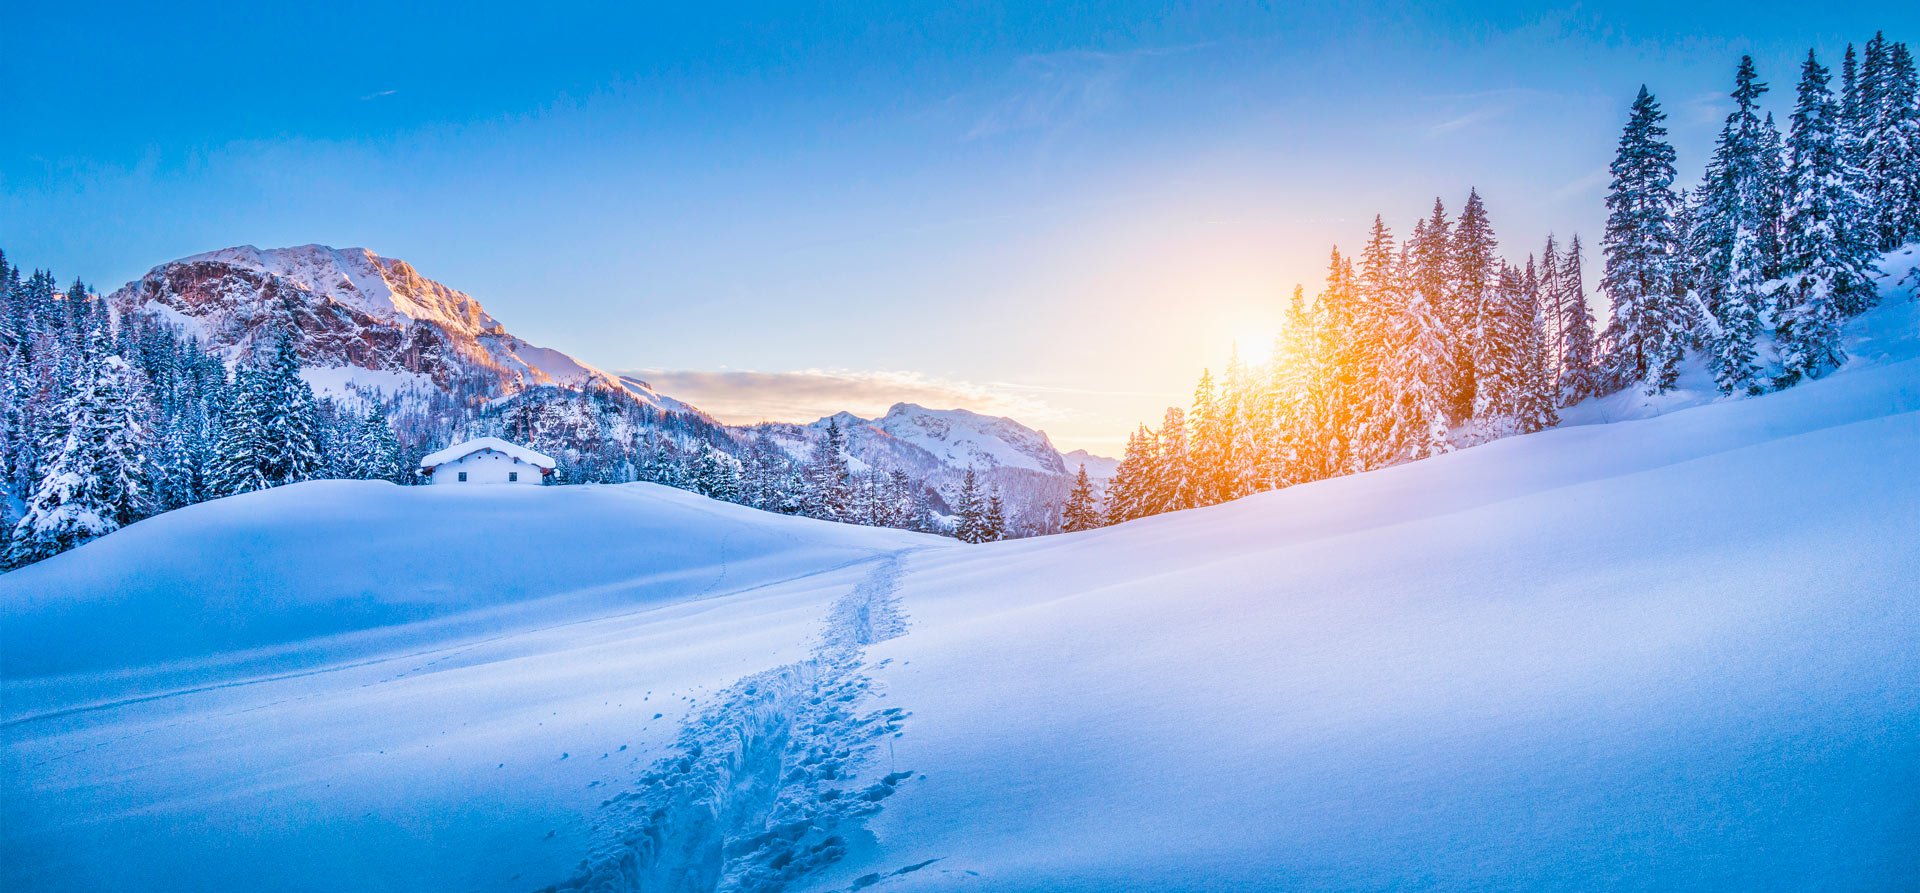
1255 347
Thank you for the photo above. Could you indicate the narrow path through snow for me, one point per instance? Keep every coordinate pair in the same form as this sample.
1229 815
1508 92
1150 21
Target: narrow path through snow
758 793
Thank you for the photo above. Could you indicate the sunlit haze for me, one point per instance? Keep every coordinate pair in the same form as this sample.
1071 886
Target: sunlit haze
1057 215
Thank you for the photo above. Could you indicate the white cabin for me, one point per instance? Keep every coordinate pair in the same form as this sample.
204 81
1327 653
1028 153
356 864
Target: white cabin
487 460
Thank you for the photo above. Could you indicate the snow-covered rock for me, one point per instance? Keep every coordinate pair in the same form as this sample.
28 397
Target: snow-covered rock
362 319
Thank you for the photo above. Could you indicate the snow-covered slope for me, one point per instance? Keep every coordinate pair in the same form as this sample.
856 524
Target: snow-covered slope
363 319
1099 468
395 688
938 446
958 438
1671 653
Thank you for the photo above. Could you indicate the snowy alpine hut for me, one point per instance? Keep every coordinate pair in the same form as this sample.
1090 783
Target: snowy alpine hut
487 460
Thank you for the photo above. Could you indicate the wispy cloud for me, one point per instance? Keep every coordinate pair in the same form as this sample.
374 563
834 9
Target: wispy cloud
744 396
1704 109
1049 92
378 95
1466 110
1585 184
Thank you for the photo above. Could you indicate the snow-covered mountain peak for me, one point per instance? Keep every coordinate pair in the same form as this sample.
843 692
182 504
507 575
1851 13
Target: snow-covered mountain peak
961 437
359 319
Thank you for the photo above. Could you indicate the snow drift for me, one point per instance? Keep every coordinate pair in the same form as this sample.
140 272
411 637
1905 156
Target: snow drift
1675 652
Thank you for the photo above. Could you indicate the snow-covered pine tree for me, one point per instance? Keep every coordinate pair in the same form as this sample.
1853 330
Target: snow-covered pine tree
1335 381
1080 512
288 417
1883 143
1553 305
377 449
1730 243
827 483
1289 423
1376 315
1245 410
1895 163
1538 404
1173 481
1827 263
1502 341
1648 333
1418 371
240 455
1130 491
1475 267
970 511
1206 453
993 520
1579 375
95 480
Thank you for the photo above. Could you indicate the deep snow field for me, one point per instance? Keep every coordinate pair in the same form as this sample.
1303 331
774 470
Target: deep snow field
1675 652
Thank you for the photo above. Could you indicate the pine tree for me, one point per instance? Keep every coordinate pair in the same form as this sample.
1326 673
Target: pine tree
1197 476
241 454
95 481
1648 333
1080 512
1289 422
376 448
1553 306
1173 481
1476 271
1501 398
1827 263
1883 144
1131 490
970 511
993 520
1377 316
827 482
289 418
1417 373
1731 242
1579 376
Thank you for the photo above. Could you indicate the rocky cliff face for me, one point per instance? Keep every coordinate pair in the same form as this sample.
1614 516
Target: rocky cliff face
355 311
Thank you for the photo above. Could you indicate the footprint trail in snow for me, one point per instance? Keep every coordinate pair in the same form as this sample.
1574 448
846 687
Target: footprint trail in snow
757 793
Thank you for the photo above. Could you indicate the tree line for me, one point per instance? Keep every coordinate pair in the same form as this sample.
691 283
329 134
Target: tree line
106 420
1416 347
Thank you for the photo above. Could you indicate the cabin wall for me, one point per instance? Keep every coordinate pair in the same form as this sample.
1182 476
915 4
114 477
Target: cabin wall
486 467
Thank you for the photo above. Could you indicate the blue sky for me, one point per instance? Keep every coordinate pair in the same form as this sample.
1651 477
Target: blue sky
1061 212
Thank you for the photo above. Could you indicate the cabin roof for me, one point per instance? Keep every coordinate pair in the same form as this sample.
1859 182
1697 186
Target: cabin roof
462 450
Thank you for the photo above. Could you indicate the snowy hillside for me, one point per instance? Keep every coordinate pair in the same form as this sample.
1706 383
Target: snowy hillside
938 446
364 319
1099 468
1676 652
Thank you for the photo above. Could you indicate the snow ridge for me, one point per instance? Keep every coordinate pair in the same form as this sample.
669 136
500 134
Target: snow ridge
755 797
371 320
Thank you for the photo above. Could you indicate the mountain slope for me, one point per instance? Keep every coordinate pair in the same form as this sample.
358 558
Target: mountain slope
938 446
1675 652
362 318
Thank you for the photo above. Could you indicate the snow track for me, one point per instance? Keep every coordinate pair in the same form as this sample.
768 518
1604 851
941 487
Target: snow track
760 791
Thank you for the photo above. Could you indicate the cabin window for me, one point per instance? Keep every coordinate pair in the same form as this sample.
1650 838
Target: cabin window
463 477
512 476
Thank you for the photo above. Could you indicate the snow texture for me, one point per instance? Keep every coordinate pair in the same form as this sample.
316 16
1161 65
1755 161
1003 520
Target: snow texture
1674 652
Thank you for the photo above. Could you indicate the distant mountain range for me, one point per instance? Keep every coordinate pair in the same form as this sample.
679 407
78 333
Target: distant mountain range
372 323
